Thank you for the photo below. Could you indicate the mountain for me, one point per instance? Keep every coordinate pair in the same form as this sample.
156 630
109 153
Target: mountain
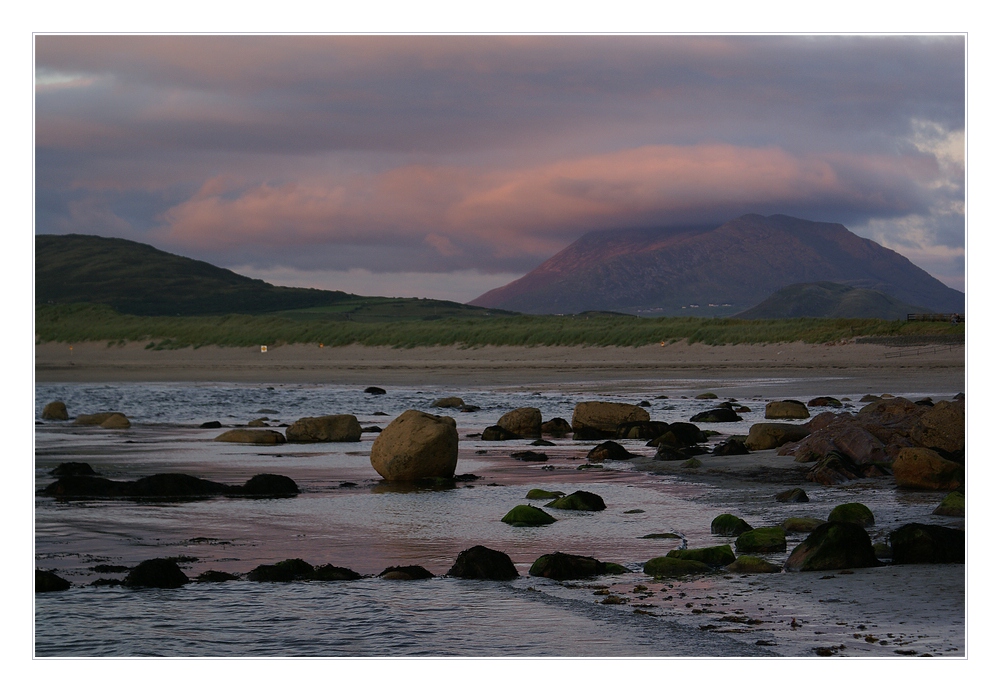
718 271
826 299
138 279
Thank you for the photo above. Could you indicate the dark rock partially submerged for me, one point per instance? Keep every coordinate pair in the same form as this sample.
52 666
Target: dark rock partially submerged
562 566
716 415
405 573
158 573
609 451
580 500
833 545
168 486
729 525
73 468
926 543
480 562
46 582
526 515
214 576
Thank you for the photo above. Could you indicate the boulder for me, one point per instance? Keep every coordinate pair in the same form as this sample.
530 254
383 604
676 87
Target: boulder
269 485
749 564
926 543
730 447
539 494
329 572
72 468
258 423
716 415
158 573
449 402
609 451
167 486
825 401
55 410
211 424
729 525
605 416
834 469
716 556
479 562
707 395
530 456
793 495
212 576
767 539
942 428
852 512
801 524
773 435
789 408
405 573
338 428
833 545
524 422
680 435
844 437
673 567
580 500
94 418
416 445
953 505
641 430
560 566
557 427
255 436
669 453
526 515
919 468
376 391
284 571
116 421
495 433
46 582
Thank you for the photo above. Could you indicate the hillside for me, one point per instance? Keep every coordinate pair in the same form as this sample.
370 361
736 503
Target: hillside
826 299
720 271
138 279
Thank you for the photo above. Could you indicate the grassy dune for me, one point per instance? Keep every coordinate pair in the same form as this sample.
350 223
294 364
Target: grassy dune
79 323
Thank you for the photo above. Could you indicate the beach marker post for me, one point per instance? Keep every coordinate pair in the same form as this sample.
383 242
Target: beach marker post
263 349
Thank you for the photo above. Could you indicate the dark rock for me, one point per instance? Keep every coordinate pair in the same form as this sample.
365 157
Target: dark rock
270 485
854 513
255 436
673 567
562 566
833 545
825 401
46 582
767 539
168 486
587 434
330 573
405 573
284 571
542 443
834 469
729 525
668 453
469 408
609 451
801 524
953 505
530 456
716 415
265 410
680 435
175 485
580 500
526 515
495 433
538 494
730 447
73 468
667 535
480 562
716 556
371 429
749 564
55 410
211 424
557 427
158 573
707 395
926 543
213 576
106 582
641 430
524 422
644 404
377 391
109 569
448 402
793 495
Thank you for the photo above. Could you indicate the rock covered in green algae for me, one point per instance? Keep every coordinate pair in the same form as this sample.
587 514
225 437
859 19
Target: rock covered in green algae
716 556
480 562
926 543
539 494
526 515
729 525
853 512
833 545
793 495
953 505
767 539
801 524
673 567
580 500
560 566
750 564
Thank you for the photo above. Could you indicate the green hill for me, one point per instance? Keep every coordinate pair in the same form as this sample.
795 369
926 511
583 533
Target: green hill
137 279
828 299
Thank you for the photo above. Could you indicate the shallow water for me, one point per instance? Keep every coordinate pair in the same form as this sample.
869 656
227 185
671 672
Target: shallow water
346 517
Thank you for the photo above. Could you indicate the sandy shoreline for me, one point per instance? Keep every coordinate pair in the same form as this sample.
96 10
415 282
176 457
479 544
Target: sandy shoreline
878 367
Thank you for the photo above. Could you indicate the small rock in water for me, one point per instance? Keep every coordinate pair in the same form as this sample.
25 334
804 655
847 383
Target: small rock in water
211 424
377 391
405 573
530 456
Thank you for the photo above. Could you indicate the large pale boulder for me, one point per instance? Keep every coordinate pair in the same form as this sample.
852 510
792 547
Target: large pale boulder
920 468
773 435
252 436
524 422
789 408
116 421
55 410
94 418
339 428
416 445
606 416
942 427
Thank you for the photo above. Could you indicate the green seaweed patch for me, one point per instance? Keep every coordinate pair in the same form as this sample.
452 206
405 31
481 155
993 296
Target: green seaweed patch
692 463
673 567
953 505
852 512
767 539
539 494
526 515
660 535
729 525
716 556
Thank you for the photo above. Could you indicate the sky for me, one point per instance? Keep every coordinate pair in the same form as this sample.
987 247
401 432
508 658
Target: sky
447 165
